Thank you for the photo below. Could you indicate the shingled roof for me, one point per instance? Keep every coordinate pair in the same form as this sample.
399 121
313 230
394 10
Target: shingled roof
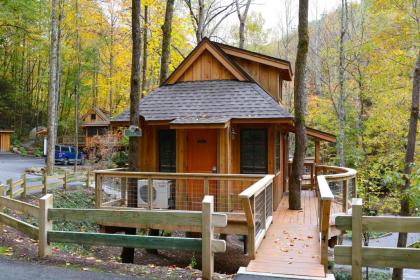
208 102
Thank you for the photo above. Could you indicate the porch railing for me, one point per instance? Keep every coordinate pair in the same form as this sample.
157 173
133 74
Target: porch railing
335 186
257 203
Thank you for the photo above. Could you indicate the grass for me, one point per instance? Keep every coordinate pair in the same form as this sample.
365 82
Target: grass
6 251
373 275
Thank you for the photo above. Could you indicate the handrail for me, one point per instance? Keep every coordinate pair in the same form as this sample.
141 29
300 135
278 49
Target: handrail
257 187
169 175
326 198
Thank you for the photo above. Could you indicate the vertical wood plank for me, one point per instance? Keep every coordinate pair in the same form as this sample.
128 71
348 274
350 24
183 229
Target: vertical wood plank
124 181
345 196
325 225
65 181
98 190
44 182
354 190
206 186
45 225
23 177
247 205
356 242
150 193
207 237
88 179
10 184
317 152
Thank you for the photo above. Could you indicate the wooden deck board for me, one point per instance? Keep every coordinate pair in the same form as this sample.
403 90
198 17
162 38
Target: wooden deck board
291 245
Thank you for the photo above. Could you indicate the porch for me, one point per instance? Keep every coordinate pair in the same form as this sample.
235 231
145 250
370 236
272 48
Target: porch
279 241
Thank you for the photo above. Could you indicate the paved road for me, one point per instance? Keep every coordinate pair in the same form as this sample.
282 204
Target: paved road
17 270
13 166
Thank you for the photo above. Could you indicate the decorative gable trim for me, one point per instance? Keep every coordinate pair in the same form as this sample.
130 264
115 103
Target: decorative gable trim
204 45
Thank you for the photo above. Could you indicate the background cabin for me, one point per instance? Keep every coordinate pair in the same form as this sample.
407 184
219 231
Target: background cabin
220 112
5 140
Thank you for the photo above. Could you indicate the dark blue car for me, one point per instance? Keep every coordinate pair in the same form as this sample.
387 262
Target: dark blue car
67 155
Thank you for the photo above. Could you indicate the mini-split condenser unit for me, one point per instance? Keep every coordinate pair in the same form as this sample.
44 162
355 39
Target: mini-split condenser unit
161 192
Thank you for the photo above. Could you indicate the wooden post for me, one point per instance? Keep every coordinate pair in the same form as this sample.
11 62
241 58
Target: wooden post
345 195
354 190
150 193
88 179
2 193
24 185
325 226
207 237
45 225
44 182
317 152
98 190
206 186
356 240
251 226
124 181
10 184
65 181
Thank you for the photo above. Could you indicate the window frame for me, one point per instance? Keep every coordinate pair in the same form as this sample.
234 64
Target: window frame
245 170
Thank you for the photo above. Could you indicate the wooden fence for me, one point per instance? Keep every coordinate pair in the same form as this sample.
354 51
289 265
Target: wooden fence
26 184
46 214
358 256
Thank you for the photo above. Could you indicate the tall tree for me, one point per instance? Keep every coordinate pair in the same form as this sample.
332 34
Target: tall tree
342 95
145 52
127 255
300 104
242 21
397 273
166 41
77 87
52 108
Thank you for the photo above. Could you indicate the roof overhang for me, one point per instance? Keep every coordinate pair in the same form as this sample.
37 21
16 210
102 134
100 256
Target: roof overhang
6 131
95 124
283 66
317 134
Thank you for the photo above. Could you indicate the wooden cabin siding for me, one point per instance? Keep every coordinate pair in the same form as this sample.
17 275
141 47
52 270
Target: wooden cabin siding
268 77
4 141
228 160
206 67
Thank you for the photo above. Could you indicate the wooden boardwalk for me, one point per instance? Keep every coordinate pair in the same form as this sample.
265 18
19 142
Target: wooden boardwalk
292 244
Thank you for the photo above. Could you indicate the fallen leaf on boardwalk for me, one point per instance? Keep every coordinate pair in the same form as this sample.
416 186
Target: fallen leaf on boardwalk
310 236
285 232
284 250
300 252
277 240
290 244
289 262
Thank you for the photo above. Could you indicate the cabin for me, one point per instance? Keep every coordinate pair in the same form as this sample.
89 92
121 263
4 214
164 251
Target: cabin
5 140
220 111
218 126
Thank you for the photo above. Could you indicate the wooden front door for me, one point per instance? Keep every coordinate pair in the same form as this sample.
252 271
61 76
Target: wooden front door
202 158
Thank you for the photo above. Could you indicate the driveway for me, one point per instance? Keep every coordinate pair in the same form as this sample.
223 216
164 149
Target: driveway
17 270
13 166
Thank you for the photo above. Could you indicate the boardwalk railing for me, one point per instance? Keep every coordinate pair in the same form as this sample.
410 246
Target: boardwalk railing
162 190
326 177
257 201
26 184
358 256
206 219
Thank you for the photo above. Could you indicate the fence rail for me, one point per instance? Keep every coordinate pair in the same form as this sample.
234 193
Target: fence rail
206 219
25 184
358 256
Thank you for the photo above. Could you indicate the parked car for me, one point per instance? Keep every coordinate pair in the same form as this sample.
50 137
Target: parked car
67 155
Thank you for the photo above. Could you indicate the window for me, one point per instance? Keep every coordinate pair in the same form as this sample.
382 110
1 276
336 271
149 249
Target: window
57 148
253 151
102 131
277 157
93 117
91 131
167 150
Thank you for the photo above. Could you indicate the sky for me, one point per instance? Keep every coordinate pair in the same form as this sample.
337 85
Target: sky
273 11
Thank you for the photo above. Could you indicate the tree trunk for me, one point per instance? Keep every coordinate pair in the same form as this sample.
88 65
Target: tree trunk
242 21
341 98
58 87
77 90
397 273
166 41
52 113
299 102
127 254
145 53
111 64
